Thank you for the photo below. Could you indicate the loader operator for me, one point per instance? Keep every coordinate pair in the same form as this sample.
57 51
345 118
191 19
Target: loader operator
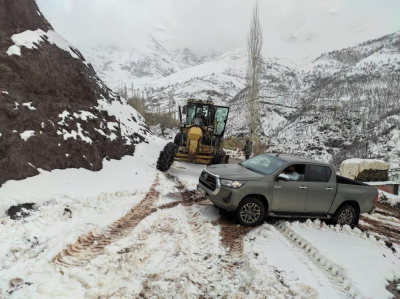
199 119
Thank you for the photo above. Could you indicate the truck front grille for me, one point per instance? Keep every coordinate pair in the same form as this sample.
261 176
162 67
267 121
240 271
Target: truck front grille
208 180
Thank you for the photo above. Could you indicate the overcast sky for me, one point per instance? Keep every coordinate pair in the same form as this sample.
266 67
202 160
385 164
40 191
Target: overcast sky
293 29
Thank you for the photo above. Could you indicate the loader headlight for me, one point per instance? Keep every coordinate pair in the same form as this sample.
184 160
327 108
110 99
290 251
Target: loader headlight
232 184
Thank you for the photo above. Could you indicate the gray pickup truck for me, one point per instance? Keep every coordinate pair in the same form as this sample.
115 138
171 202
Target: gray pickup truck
281 185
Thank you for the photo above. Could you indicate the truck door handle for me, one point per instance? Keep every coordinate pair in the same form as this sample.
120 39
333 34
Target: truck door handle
278 187
302 187
329 188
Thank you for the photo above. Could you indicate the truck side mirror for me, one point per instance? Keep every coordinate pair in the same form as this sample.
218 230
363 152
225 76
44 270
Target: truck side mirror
184 110
283 177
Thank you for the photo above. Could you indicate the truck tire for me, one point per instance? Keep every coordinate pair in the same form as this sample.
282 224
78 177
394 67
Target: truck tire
167 155
219 157
178 139
250 212
346 215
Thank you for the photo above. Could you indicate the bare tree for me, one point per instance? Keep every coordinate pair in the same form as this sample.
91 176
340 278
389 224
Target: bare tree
254 46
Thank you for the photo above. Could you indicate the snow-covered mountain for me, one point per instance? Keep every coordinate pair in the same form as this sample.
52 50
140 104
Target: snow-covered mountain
159 56
326 109
350 104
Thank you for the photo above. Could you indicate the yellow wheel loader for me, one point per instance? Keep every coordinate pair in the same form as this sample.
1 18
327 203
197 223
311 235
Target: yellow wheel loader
200 139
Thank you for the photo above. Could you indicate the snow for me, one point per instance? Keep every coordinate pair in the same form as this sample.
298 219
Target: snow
84 115
352 167
64 115
29 106
28 39
364 263
130 121
393 200
74 134
72 184
381 183
177 252
27 134
31 40
5 92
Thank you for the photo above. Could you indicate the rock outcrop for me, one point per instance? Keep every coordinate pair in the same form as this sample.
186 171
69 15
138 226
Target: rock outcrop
55 113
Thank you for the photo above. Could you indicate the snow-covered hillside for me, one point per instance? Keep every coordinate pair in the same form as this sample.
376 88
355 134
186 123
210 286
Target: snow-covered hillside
159 56
351 105
329 108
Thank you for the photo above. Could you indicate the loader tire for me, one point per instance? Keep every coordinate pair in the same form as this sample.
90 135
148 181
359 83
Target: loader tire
178 139
219 157
167 155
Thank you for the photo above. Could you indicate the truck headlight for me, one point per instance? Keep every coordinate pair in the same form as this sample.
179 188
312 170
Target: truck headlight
232 184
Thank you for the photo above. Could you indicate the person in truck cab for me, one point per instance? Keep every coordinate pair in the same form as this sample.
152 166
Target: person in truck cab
291 173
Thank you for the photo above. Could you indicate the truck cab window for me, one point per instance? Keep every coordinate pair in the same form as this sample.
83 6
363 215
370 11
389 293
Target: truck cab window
318 173
295 172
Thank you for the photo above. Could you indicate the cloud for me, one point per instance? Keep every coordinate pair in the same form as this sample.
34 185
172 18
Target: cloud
294 29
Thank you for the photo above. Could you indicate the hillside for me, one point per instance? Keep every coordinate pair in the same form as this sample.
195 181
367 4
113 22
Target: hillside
327 109
55 112
351 104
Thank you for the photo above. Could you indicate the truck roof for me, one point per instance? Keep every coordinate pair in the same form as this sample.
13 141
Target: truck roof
294 158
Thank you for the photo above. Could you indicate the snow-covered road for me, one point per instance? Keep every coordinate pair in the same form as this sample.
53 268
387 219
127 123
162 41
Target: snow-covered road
130 231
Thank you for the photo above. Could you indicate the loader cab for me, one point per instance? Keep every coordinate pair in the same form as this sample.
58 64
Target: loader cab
206 115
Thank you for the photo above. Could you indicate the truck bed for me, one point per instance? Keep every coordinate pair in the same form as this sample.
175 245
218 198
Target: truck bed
346 181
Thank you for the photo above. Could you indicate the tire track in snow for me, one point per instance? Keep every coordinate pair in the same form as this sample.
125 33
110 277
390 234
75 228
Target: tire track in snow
386 228
232 235
92 244
334 273
388 232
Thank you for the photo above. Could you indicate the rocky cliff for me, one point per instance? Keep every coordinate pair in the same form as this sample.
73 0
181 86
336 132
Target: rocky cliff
54 110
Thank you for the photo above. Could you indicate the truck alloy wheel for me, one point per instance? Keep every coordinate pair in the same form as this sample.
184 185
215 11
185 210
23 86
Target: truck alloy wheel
346 216
250 212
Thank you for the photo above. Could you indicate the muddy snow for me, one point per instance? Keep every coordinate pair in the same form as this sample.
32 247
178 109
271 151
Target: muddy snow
130 231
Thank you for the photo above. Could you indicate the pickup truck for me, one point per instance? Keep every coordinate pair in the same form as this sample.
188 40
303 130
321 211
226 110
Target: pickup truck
279 185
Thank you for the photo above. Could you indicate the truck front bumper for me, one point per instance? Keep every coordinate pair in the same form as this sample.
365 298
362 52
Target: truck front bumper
226 198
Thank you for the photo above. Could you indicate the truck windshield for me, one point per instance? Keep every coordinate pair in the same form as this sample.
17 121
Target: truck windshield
264 164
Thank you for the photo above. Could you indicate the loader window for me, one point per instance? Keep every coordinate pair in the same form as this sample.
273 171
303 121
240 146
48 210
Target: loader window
195 110
221 116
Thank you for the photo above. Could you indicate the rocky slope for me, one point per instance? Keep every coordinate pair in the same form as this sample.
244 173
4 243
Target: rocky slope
55 112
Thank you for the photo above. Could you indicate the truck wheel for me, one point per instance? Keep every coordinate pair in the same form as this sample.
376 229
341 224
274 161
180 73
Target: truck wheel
346 215
219 157
178 139
250 212
167 155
